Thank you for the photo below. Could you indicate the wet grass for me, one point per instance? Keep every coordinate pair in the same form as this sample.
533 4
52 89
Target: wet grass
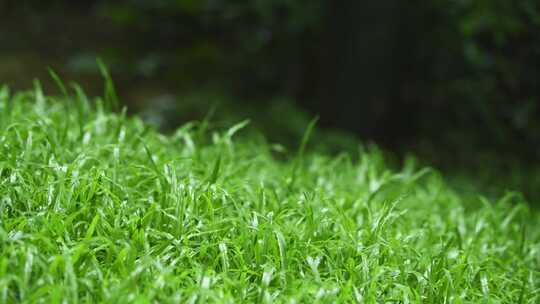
98 207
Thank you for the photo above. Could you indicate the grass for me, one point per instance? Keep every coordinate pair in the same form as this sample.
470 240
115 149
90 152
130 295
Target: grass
98 207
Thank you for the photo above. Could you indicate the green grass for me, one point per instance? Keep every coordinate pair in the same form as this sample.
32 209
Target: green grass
98 207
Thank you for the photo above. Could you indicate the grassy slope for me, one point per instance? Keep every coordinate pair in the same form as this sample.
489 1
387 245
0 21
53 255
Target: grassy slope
94 207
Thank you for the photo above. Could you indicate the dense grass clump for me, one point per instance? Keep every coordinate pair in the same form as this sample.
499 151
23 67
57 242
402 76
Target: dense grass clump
98 207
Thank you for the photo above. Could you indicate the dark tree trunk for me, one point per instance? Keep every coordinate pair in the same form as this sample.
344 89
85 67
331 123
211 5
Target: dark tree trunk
353 79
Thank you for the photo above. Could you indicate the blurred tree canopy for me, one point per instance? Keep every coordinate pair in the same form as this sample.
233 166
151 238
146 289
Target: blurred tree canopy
467 67
481 63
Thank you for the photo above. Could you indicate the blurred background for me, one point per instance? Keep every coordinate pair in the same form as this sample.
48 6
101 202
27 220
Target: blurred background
456 83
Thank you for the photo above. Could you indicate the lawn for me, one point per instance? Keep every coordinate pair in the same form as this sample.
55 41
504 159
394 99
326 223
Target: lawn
96 206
